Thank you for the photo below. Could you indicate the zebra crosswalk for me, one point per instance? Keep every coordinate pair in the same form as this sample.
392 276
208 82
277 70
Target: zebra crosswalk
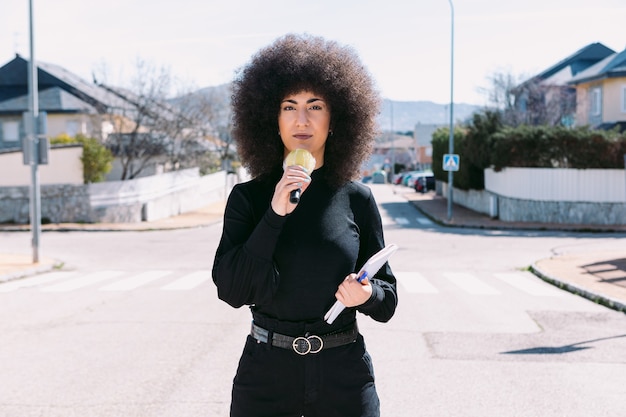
484 285
404 222
470 283
412 282
82 281
109 280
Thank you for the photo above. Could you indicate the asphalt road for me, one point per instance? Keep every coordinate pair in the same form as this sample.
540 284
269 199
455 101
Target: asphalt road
132 326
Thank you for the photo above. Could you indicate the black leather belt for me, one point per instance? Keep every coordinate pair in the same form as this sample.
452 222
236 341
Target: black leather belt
309 343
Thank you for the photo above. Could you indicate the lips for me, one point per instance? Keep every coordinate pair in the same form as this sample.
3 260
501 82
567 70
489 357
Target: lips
302 136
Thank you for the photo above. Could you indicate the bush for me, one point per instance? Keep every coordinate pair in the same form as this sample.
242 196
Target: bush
96 159
485 143
557 147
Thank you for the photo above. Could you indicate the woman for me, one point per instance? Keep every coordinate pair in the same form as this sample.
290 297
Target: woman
291 262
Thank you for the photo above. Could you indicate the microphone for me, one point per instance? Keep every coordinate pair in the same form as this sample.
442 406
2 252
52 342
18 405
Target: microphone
303 158
294 196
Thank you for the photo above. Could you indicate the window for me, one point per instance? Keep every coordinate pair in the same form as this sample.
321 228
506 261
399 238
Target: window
11 131
624 99
596 101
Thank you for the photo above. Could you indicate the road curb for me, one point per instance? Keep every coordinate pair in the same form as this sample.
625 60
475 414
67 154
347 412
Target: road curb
580 291
10 276
120 227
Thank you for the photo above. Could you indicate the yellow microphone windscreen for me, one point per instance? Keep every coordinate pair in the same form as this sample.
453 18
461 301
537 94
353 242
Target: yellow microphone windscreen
301 157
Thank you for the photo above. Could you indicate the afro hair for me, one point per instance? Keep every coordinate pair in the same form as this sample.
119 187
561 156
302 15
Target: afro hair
295 63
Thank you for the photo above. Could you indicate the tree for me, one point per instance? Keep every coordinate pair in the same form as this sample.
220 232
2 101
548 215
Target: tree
151 128
534 102
210 108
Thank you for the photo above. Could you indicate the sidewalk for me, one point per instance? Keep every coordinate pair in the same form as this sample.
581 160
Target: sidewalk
599 275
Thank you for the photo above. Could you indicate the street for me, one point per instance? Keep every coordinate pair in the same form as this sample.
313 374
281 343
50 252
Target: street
131 325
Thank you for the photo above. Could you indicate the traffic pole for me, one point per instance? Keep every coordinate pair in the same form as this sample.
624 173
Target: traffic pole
33 107
451 137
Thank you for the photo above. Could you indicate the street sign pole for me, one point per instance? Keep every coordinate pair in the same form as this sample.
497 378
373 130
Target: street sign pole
451 140
32 137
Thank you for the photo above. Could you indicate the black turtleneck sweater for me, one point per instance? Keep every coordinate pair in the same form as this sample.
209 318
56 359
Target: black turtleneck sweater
288 268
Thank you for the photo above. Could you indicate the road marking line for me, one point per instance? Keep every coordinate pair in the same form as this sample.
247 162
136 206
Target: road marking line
414 282
82 281
526 283
45 278
135 281
402 221
189 281
424 221
471 284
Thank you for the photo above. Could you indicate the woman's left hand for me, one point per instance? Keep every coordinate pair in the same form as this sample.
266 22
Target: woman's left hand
353 293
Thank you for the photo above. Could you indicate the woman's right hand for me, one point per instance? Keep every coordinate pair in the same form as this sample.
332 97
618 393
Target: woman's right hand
294 177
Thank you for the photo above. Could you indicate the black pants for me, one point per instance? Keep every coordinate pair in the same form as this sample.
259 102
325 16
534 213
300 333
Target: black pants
275 382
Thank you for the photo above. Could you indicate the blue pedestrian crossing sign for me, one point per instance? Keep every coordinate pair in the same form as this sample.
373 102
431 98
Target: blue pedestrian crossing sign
450 162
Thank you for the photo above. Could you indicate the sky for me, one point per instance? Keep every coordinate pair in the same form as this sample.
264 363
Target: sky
405 44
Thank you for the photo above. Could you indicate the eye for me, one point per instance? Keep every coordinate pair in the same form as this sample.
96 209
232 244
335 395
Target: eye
288 107
316 107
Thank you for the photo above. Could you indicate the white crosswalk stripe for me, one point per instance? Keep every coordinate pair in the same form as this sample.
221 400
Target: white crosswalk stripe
403 221
82 281
34 281
414 282
135 281
189 281
528 283
470 283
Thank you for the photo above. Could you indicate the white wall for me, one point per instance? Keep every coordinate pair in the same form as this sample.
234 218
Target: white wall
556 184
64 167
157 197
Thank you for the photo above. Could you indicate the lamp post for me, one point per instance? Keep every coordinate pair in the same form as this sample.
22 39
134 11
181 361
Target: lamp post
451 138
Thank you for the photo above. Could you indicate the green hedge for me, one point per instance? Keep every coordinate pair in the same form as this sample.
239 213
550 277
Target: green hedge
485 142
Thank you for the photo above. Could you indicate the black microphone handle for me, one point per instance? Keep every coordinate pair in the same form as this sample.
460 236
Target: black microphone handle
294 196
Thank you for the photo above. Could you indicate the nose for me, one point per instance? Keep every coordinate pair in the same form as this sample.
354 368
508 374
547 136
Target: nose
302 118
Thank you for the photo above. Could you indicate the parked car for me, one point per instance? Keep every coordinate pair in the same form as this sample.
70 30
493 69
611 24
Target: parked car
397 178
410 182
406 177
424 183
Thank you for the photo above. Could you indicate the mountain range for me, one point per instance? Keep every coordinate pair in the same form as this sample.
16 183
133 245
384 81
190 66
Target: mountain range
402 116
397 116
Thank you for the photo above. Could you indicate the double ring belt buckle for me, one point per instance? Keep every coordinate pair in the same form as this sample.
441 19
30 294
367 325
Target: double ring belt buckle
309 344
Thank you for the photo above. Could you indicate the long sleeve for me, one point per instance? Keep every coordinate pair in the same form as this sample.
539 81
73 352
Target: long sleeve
289 267
243 270
382 304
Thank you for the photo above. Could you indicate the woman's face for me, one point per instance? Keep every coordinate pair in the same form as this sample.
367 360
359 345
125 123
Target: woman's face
303 123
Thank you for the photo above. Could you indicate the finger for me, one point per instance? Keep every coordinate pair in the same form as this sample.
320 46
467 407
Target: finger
297 172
